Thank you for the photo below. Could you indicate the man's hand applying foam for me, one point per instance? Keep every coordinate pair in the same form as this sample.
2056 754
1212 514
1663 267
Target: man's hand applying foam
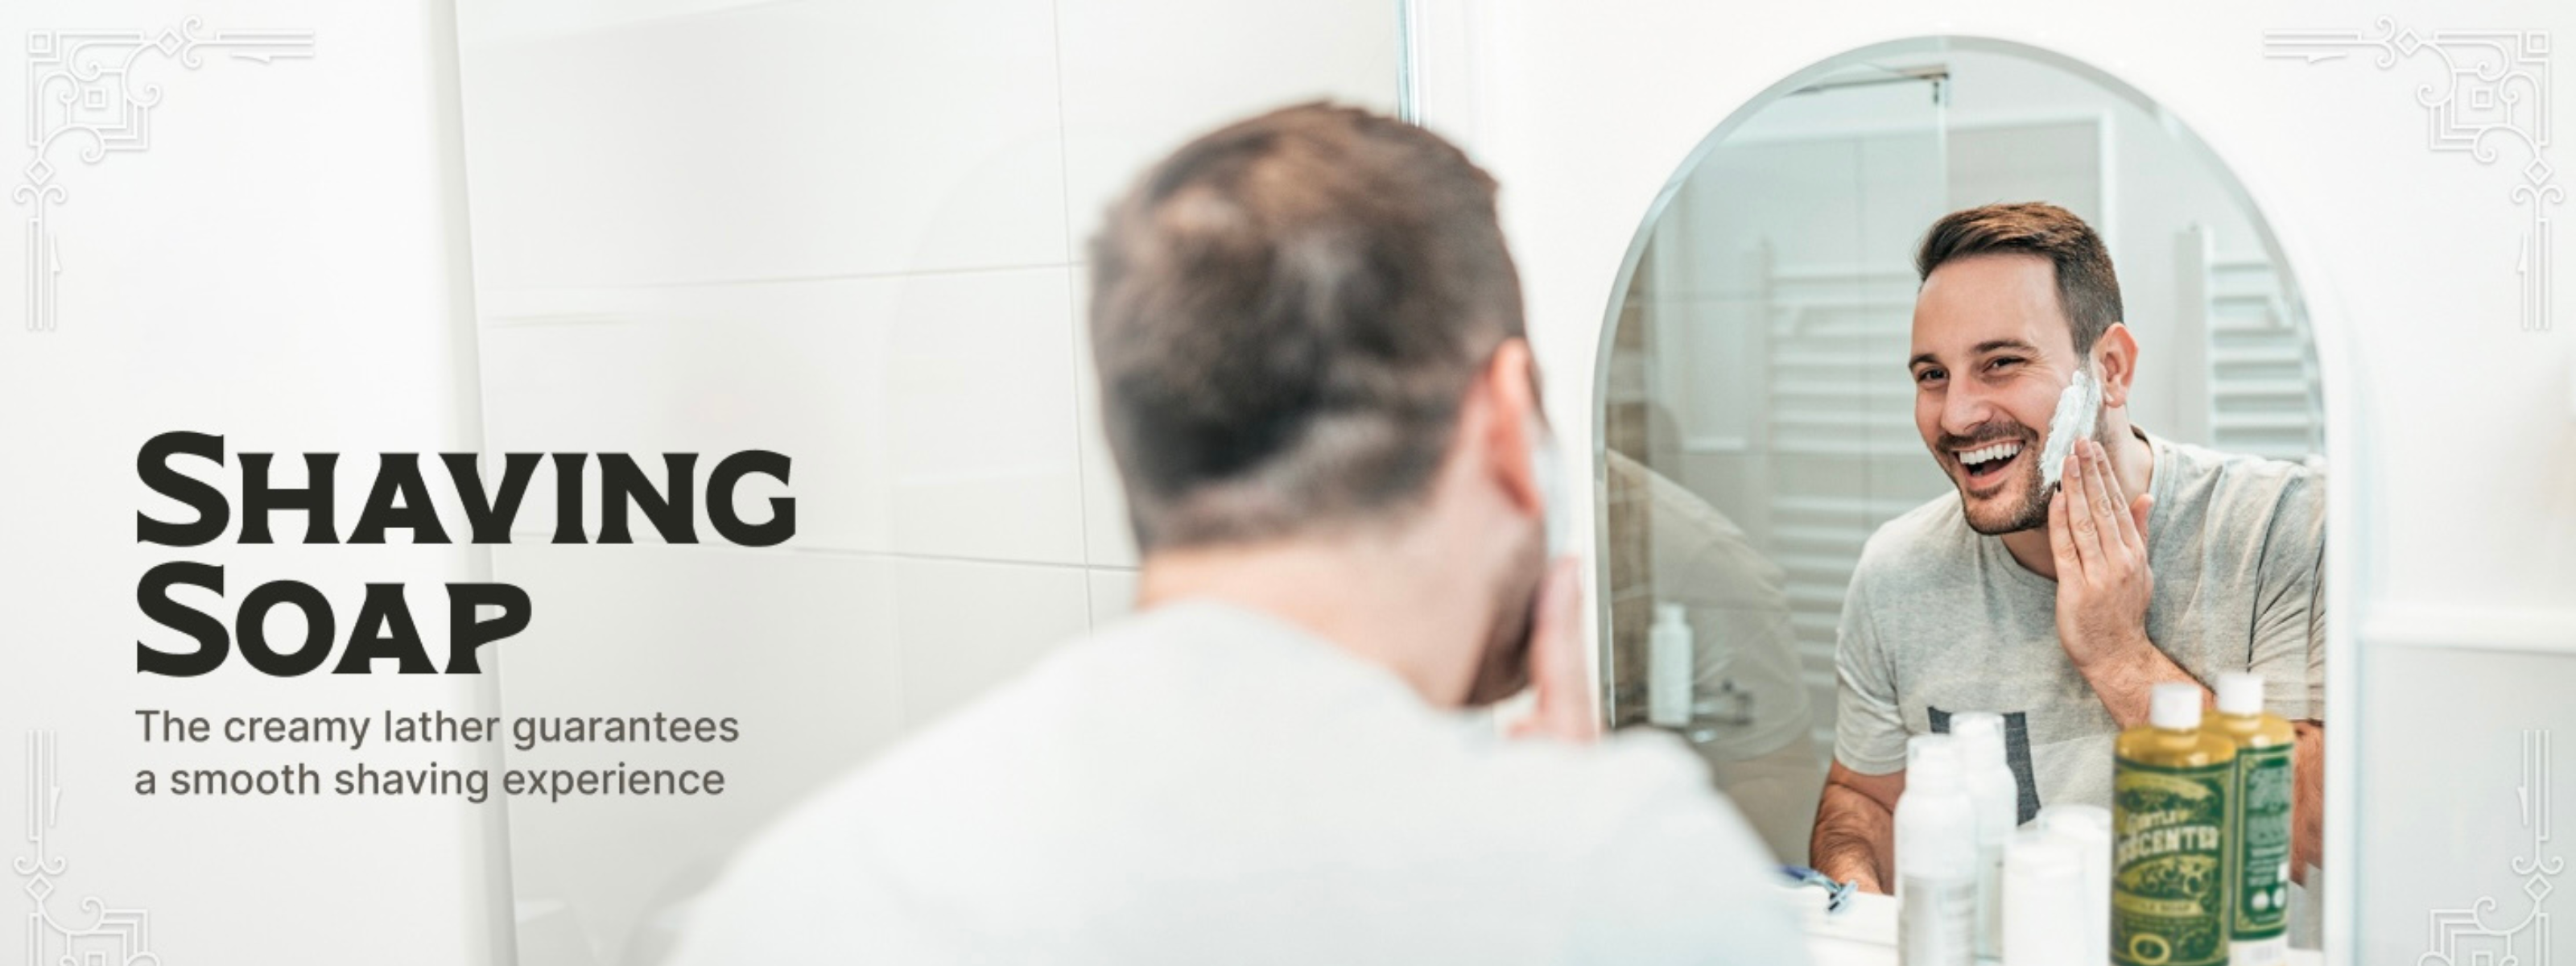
2099 538
1557 668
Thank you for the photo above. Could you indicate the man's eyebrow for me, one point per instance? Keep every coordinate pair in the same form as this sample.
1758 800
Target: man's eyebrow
1988 346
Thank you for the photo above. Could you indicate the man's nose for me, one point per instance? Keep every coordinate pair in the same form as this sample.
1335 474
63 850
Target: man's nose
1965 407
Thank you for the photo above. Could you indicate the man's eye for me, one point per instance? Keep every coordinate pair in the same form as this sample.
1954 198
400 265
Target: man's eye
1998 363
1928 375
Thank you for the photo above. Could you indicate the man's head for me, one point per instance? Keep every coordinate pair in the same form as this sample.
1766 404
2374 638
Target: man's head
1307 326
2016 299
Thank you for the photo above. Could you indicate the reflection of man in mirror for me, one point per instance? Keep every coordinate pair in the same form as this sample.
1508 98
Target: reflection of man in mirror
2059 608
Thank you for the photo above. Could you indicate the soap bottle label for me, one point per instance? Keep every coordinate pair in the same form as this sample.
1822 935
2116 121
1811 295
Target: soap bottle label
2169 883
2262 846
1990 902
1936 921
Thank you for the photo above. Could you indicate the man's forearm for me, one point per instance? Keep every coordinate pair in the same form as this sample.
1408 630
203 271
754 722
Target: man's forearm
2308 800
1853 837
2126 681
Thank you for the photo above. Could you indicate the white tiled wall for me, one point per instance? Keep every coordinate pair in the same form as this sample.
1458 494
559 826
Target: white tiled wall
851 232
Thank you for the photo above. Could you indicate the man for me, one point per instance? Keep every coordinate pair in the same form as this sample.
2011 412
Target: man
1314 380
2060 608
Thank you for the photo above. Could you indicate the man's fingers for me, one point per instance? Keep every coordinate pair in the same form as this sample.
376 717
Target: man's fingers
2112 501
2080 516
2061 544
1556 658
1560 596
2102 498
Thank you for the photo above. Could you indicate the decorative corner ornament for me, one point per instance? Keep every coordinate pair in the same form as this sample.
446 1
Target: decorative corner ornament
2463 936
82 86
2494 86
113 937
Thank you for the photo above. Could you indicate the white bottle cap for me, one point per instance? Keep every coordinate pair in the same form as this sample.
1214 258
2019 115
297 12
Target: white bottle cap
2175 706
2089 827
1669 615
1931 763
2044 852
1981 738
2240 693
2044 900
2086 821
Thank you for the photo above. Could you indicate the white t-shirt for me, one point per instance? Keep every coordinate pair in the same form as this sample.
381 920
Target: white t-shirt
1202 783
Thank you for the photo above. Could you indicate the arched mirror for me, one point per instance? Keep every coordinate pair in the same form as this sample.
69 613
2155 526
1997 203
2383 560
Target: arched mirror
1762 416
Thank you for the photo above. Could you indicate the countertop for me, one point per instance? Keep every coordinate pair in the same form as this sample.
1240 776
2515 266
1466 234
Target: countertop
1863 933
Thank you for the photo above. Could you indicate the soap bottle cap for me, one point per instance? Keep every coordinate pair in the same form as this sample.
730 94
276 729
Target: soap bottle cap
2083 821
2044 852
2175 706
1981 738
1669 615
2240 693
1931 763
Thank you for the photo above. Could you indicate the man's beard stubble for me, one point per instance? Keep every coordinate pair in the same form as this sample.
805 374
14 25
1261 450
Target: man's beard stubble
2032 514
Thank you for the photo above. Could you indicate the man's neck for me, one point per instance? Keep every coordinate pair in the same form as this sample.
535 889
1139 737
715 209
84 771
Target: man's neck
1378 598
2133 463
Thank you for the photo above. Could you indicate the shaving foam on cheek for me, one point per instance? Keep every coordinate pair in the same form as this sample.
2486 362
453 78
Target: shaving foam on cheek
1551 488
2079 411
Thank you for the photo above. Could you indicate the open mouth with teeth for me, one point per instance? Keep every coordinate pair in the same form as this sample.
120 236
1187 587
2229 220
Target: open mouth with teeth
1987 463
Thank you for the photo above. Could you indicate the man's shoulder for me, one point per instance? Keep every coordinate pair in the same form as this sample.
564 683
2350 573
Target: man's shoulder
1909 545
2242 489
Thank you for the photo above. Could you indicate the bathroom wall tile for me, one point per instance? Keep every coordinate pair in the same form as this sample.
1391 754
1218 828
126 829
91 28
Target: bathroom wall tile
1113 595
482 22
785 140
926 415
1142 76
966 627
1107 538
690 631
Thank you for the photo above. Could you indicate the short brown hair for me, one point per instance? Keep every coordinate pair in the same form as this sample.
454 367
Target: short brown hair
1287 314
2088 291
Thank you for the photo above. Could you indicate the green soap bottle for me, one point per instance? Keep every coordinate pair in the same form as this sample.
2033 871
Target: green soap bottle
2258 802
2169 836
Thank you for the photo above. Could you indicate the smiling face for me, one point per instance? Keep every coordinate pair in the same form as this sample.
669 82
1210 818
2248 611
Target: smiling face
1992 351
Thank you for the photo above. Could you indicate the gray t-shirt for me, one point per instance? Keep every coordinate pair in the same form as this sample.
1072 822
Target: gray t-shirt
1941 619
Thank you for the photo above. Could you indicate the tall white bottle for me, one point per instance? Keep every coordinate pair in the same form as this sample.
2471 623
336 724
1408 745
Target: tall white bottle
1936 858
1997 798
1668 668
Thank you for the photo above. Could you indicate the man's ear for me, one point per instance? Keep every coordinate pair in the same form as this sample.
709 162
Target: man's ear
1511 415
2116 354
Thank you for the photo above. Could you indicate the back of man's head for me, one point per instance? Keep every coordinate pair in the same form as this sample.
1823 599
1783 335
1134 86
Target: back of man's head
1286 315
